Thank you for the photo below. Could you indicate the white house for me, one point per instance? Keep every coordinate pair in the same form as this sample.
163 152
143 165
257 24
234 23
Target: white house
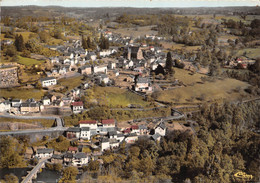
104 53
103 78
49 81
143 84
5 106
44 153
131 138
77 107
80 159
160 129
100 68
108 123
46 100
92 124
105 144
85 133
135 129
111 65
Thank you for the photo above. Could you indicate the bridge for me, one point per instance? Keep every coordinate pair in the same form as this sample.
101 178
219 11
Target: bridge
33 173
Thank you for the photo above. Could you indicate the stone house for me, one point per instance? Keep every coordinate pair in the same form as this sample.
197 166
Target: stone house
44 153
49 81
77 107
73 132
92 124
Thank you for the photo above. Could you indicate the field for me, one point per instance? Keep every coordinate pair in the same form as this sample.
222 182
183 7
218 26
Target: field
70 82
29 61
21 93
135 32
186 77
176 46
116 97
44 122
229 89
250 52
25 35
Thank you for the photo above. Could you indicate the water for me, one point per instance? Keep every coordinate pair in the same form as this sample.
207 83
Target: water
19 172
47 176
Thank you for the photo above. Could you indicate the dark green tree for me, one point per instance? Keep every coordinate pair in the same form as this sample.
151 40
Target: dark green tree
169 64
19 43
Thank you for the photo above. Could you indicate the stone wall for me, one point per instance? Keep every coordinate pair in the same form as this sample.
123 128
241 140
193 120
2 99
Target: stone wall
8 77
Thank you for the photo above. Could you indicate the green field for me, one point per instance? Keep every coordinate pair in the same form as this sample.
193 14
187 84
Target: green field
250 52
21 93
187 77
116 97
25 35
29 61
44 122
70 82
220 89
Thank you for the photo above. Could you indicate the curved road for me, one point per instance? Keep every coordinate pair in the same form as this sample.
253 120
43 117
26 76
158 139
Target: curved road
59 126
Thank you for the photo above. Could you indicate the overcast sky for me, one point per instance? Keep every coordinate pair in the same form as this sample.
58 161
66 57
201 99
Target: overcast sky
133 3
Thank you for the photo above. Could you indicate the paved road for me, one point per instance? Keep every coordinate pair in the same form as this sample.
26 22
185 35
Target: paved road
58 128
29 176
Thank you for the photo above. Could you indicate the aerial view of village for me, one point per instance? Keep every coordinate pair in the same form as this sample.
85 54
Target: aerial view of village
139 91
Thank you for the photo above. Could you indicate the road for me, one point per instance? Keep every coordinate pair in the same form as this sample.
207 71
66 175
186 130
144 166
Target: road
29 177
59 127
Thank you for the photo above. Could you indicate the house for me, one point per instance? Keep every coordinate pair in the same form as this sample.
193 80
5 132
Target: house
108 123
28 153
104 53
44 153
103 78
73 132
120 137
80 159
68 157
57 158
5 106
49 81
135 129
16 102
134 52
92 124
111 65
143 130
112 135
160 129
77 107
143 84
67 100
46 100
85 70
91 56
156 137
105 144
113 143
99 69
127 131
85 133
29 107
131 138
52 97
73 149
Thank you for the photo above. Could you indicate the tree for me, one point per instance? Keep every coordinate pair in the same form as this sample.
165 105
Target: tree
214 68
11 178
84 43
10 152
11 50
19 43
169 64
69 175
104 43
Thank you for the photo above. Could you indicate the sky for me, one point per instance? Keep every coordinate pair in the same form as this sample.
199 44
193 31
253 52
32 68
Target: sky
132 3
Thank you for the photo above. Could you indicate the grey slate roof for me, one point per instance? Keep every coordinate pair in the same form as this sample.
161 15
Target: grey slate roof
73 129
40 151
85 129
47 78
80 155
156 136
142 127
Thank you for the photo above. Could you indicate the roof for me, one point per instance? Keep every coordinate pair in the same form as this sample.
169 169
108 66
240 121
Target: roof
57 156
134 127
48 78
112 133
26 104
77 103
134 49
162 125
132 135
73 129
85 129
143 127
156 136
108 121
72 148
105 140
44 151
143 80
88 122
127 130
80 155
68 155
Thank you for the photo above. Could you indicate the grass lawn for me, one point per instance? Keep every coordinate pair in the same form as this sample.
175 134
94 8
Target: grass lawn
116 97
25 35
44 122
21 93
29 61
220 89
186 77
250 52
70 82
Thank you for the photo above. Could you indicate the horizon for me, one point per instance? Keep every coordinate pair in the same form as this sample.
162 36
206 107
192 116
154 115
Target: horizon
131 4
